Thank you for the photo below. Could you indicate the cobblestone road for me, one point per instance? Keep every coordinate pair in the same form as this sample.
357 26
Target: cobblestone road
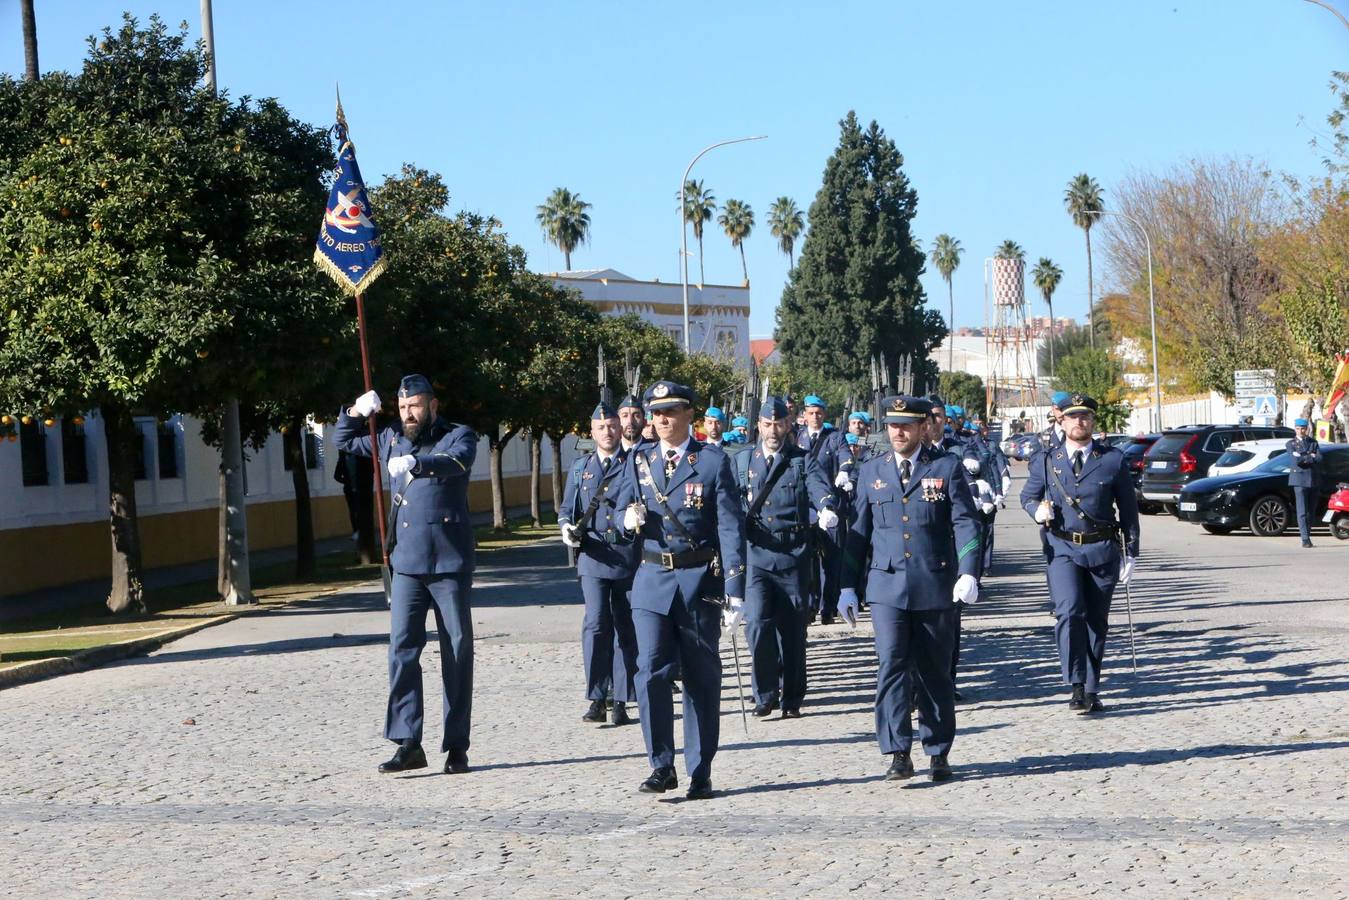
1219 769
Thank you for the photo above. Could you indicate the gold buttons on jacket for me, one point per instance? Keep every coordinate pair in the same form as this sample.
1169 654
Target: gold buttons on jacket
908 555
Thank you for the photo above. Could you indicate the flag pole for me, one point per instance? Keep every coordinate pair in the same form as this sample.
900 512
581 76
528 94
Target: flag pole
374 435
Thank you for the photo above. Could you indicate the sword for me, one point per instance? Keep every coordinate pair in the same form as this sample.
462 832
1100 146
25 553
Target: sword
739 684
1129 608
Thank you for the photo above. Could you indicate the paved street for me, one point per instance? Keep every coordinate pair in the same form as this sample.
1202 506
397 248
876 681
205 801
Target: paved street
1219 768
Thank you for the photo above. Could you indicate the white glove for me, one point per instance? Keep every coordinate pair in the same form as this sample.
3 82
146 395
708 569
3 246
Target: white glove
828 519
988 508
1043 513
1296 454
982 488
634 517
571 535
732 616
842 480
401 465
972 466
1001 501
966 590
1126 569
847 606
365 404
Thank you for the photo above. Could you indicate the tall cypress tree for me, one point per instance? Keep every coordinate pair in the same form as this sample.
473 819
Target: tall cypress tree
855 289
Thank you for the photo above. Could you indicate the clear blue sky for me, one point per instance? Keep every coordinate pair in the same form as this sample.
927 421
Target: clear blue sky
994 105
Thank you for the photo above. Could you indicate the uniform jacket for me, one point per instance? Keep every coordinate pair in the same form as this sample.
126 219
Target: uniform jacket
429 529
779 534
606 551
703 494
1103 487
1302 472
920 539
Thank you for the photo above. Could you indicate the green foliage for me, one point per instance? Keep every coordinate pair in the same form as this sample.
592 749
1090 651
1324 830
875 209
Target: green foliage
786 222
1099 375
1082 198
964 389
699 206
856 291
564 221
737 220
1010 249
1065 343
945 255
1046 276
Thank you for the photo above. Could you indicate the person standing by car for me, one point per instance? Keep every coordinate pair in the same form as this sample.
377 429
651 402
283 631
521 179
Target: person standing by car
1303 453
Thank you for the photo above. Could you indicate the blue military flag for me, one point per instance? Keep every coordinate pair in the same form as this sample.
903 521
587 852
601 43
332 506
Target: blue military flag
348 246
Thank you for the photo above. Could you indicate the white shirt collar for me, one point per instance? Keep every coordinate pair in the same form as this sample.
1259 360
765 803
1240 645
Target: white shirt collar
682 448
912 458
603 456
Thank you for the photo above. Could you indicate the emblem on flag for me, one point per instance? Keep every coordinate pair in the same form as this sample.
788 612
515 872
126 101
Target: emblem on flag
348 246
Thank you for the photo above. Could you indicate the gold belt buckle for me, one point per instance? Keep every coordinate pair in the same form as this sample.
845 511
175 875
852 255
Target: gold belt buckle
667 559
1077 538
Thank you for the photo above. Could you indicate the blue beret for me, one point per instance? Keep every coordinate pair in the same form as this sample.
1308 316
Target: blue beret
900 409
629 402
739 422
950 410
861 415
851 438
827 426
812 400
959 410
1060 398
714 412
668 395
1302 423
773 408
604 411
412 385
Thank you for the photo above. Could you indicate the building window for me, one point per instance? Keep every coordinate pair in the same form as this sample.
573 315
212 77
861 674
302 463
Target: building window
74 450
167 438
726 341
33 448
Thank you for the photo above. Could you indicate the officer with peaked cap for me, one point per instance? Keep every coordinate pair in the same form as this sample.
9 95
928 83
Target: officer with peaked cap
916 516
1305 453
782 484
430 544
590 519
631 421
681 499
1082 495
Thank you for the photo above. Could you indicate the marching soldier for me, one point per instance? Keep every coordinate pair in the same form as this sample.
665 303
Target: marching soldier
1074 491
830 452
916 516
859 424
1305 452
431 554
632 421
606 561
714 426
782 485
681 498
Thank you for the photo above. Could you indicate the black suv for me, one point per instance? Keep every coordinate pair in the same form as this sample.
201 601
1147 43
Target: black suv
1183 455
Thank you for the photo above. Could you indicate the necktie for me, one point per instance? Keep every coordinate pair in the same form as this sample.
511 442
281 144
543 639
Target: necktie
768 463
604 465
1077 463
904 472
670 464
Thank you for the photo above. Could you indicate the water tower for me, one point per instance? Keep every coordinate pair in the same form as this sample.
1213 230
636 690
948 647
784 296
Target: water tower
1009 341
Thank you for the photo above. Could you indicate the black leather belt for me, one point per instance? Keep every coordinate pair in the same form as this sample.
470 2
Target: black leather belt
1085 537
699 557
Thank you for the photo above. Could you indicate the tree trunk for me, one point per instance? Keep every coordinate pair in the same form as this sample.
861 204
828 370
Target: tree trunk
30 67
496 442
744 269
951 347
535 465
128 591
556 441
1050 304
293 441
791 258
566 255
1091 301
702 279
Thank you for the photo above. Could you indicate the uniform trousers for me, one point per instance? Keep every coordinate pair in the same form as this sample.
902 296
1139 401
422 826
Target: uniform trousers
448 597
914 646
608 643
1302 497
775 629
1081 598
684 640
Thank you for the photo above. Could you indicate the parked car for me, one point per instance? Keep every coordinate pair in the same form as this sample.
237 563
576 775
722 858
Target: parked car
1243 456
1115 440
1025 445
1133 458
1183 455
1260 499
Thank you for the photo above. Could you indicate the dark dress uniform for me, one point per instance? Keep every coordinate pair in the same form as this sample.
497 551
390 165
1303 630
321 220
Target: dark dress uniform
677 592
828 449
605 564
1303 454
777 604
431 557
922 537
1082 546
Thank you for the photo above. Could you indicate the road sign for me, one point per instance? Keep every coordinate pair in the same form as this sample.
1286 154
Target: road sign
1266 406
1250 383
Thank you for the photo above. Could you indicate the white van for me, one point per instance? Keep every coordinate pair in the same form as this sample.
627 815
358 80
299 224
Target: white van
1246 455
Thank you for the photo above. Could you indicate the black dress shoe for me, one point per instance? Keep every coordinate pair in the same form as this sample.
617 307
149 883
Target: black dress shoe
619 715
791 713
901 767
1306 543
941 769
595 713
765 708
1079 702
700 789
826 619
661 780
959 697
456 761
408 756
1090 704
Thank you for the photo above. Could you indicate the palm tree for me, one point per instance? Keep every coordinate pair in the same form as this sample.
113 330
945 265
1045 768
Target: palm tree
1010 250
564 221
699 205
30 70
786 223
737 220
1083 200
945 256
1047 276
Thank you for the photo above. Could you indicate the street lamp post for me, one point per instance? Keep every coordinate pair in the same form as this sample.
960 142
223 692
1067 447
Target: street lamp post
684 231
1152 309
